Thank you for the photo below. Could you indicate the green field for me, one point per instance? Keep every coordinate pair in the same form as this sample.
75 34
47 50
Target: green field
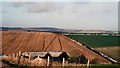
97 40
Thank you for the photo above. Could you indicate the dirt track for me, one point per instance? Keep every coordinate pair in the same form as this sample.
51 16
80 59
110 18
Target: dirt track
13 41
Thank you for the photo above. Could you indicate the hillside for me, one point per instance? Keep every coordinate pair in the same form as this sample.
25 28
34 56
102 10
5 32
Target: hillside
13 41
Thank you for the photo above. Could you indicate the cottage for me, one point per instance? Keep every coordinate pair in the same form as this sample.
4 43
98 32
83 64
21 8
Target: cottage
53 55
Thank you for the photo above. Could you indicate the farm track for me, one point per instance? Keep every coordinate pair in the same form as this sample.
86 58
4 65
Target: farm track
51 42
46 41
55 44
60 43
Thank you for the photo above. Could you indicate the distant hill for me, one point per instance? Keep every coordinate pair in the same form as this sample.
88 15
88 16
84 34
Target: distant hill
40 29
52 29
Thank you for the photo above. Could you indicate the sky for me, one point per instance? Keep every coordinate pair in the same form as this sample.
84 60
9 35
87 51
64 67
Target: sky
68 15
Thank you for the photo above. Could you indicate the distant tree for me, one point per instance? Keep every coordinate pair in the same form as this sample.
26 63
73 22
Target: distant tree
83 59
63 55
46 56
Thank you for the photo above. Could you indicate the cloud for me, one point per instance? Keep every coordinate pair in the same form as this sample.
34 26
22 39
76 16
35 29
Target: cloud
43 7
39 7
59 0
76 15
77 7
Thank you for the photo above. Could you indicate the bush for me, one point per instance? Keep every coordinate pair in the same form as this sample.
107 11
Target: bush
83 59
73 60
14 65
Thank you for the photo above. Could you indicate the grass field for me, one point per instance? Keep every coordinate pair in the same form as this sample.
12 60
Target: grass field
112 51
97 40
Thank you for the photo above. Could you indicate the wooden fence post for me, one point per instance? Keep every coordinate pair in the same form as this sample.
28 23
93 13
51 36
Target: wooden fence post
29 57
88 63
19 57
48 60
63 62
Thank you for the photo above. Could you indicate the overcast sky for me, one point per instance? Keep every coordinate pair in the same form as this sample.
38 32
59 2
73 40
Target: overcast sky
68 15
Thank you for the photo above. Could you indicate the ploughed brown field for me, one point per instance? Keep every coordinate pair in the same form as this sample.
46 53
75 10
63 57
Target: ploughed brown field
15 41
